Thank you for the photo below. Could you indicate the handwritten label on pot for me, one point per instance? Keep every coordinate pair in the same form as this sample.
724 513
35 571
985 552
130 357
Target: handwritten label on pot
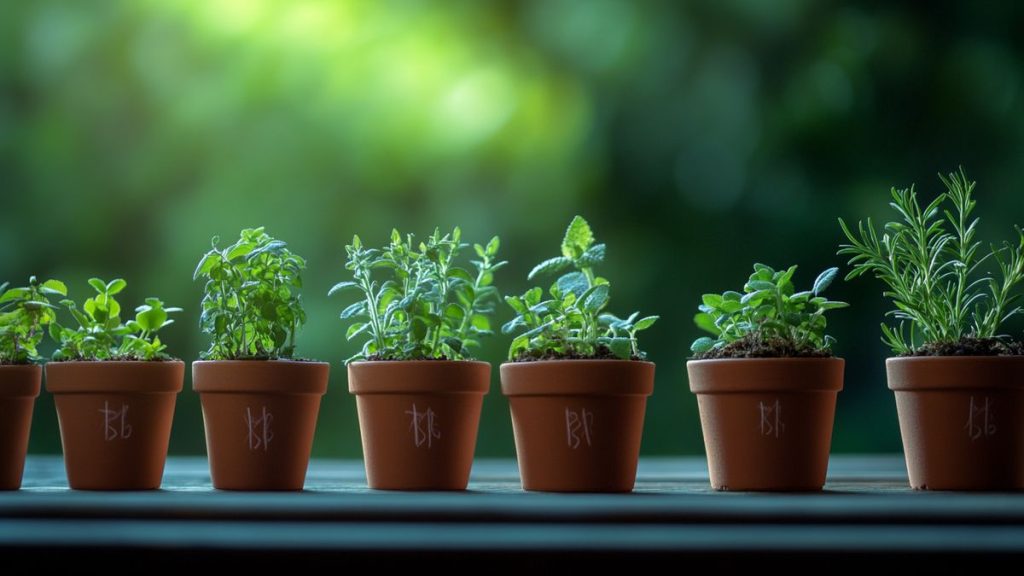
578 427
115 422
981 421
423 425
771 418
260 428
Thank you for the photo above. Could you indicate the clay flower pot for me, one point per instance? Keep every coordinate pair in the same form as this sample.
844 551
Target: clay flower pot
418 421
767 422
260 417
115 420
962 420
19 387
578 423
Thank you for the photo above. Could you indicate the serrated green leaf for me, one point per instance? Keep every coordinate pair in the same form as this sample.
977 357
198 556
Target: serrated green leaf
578 237
550 266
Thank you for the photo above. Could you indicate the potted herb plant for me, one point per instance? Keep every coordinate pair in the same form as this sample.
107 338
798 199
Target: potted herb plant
259 403
24 314
958 380
115 388
576 380
418 392
766 383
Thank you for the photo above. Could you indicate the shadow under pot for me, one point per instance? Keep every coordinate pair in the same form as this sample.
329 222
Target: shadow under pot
962 420
767 422
418 421
578 423
19 387
260 418
115 420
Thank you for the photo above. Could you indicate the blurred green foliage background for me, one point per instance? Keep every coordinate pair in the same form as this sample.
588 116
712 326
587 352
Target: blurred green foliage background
696 137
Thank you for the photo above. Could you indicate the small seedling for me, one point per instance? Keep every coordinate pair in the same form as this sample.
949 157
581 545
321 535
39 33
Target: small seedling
249 305
24 314
571 322
946 303
768 319
427 307
100 335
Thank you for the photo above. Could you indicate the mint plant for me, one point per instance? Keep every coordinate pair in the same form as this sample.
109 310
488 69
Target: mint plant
946 301
768 319
101 335
571 322
250 306
424 305
24 314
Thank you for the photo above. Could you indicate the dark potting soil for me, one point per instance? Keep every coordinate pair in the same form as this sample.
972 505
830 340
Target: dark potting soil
754 346
972 347
602 353
377 358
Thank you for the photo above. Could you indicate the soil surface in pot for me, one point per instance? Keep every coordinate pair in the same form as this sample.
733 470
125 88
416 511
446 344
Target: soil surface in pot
972 347
755 346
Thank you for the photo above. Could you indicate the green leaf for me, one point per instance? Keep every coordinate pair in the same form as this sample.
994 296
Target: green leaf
644 323
98 285
702 344
578 237
341 286
824 280
712 300
115 286
621 347
573 283
596 299
831 305
492 246
759 285
356 329
550 266
592 256
353 310
706 323
55 287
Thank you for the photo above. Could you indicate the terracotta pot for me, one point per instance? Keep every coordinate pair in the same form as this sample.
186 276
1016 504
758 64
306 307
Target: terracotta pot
962 420
767 422
115 420
260 418
578 423
19 387
418 421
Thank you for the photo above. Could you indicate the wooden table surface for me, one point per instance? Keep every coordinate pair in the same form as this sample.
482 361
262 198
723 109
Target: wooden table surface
865 512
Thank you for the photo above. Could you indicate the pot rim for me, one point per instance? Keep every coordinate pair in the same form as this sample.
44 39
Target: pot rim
445 377
93 376
731 375
25 380
905 373
617 378
278 376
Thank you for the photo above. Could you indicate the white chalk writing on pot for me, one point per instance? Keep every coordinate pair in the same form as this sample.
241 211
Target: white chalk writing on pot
115 422
260 430
578 426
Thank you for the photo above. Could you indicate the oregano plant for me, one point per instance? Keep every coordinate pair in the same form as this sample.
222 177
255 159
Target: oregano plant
946 299
251 306
416 302
569 320
100 334
25 312
768 319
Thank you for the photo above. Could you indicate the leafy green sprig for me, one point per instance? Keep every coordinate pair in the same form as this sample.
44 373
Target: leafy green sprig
572 322
24 314
426 306
251 307
100 334
932 266
770 312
